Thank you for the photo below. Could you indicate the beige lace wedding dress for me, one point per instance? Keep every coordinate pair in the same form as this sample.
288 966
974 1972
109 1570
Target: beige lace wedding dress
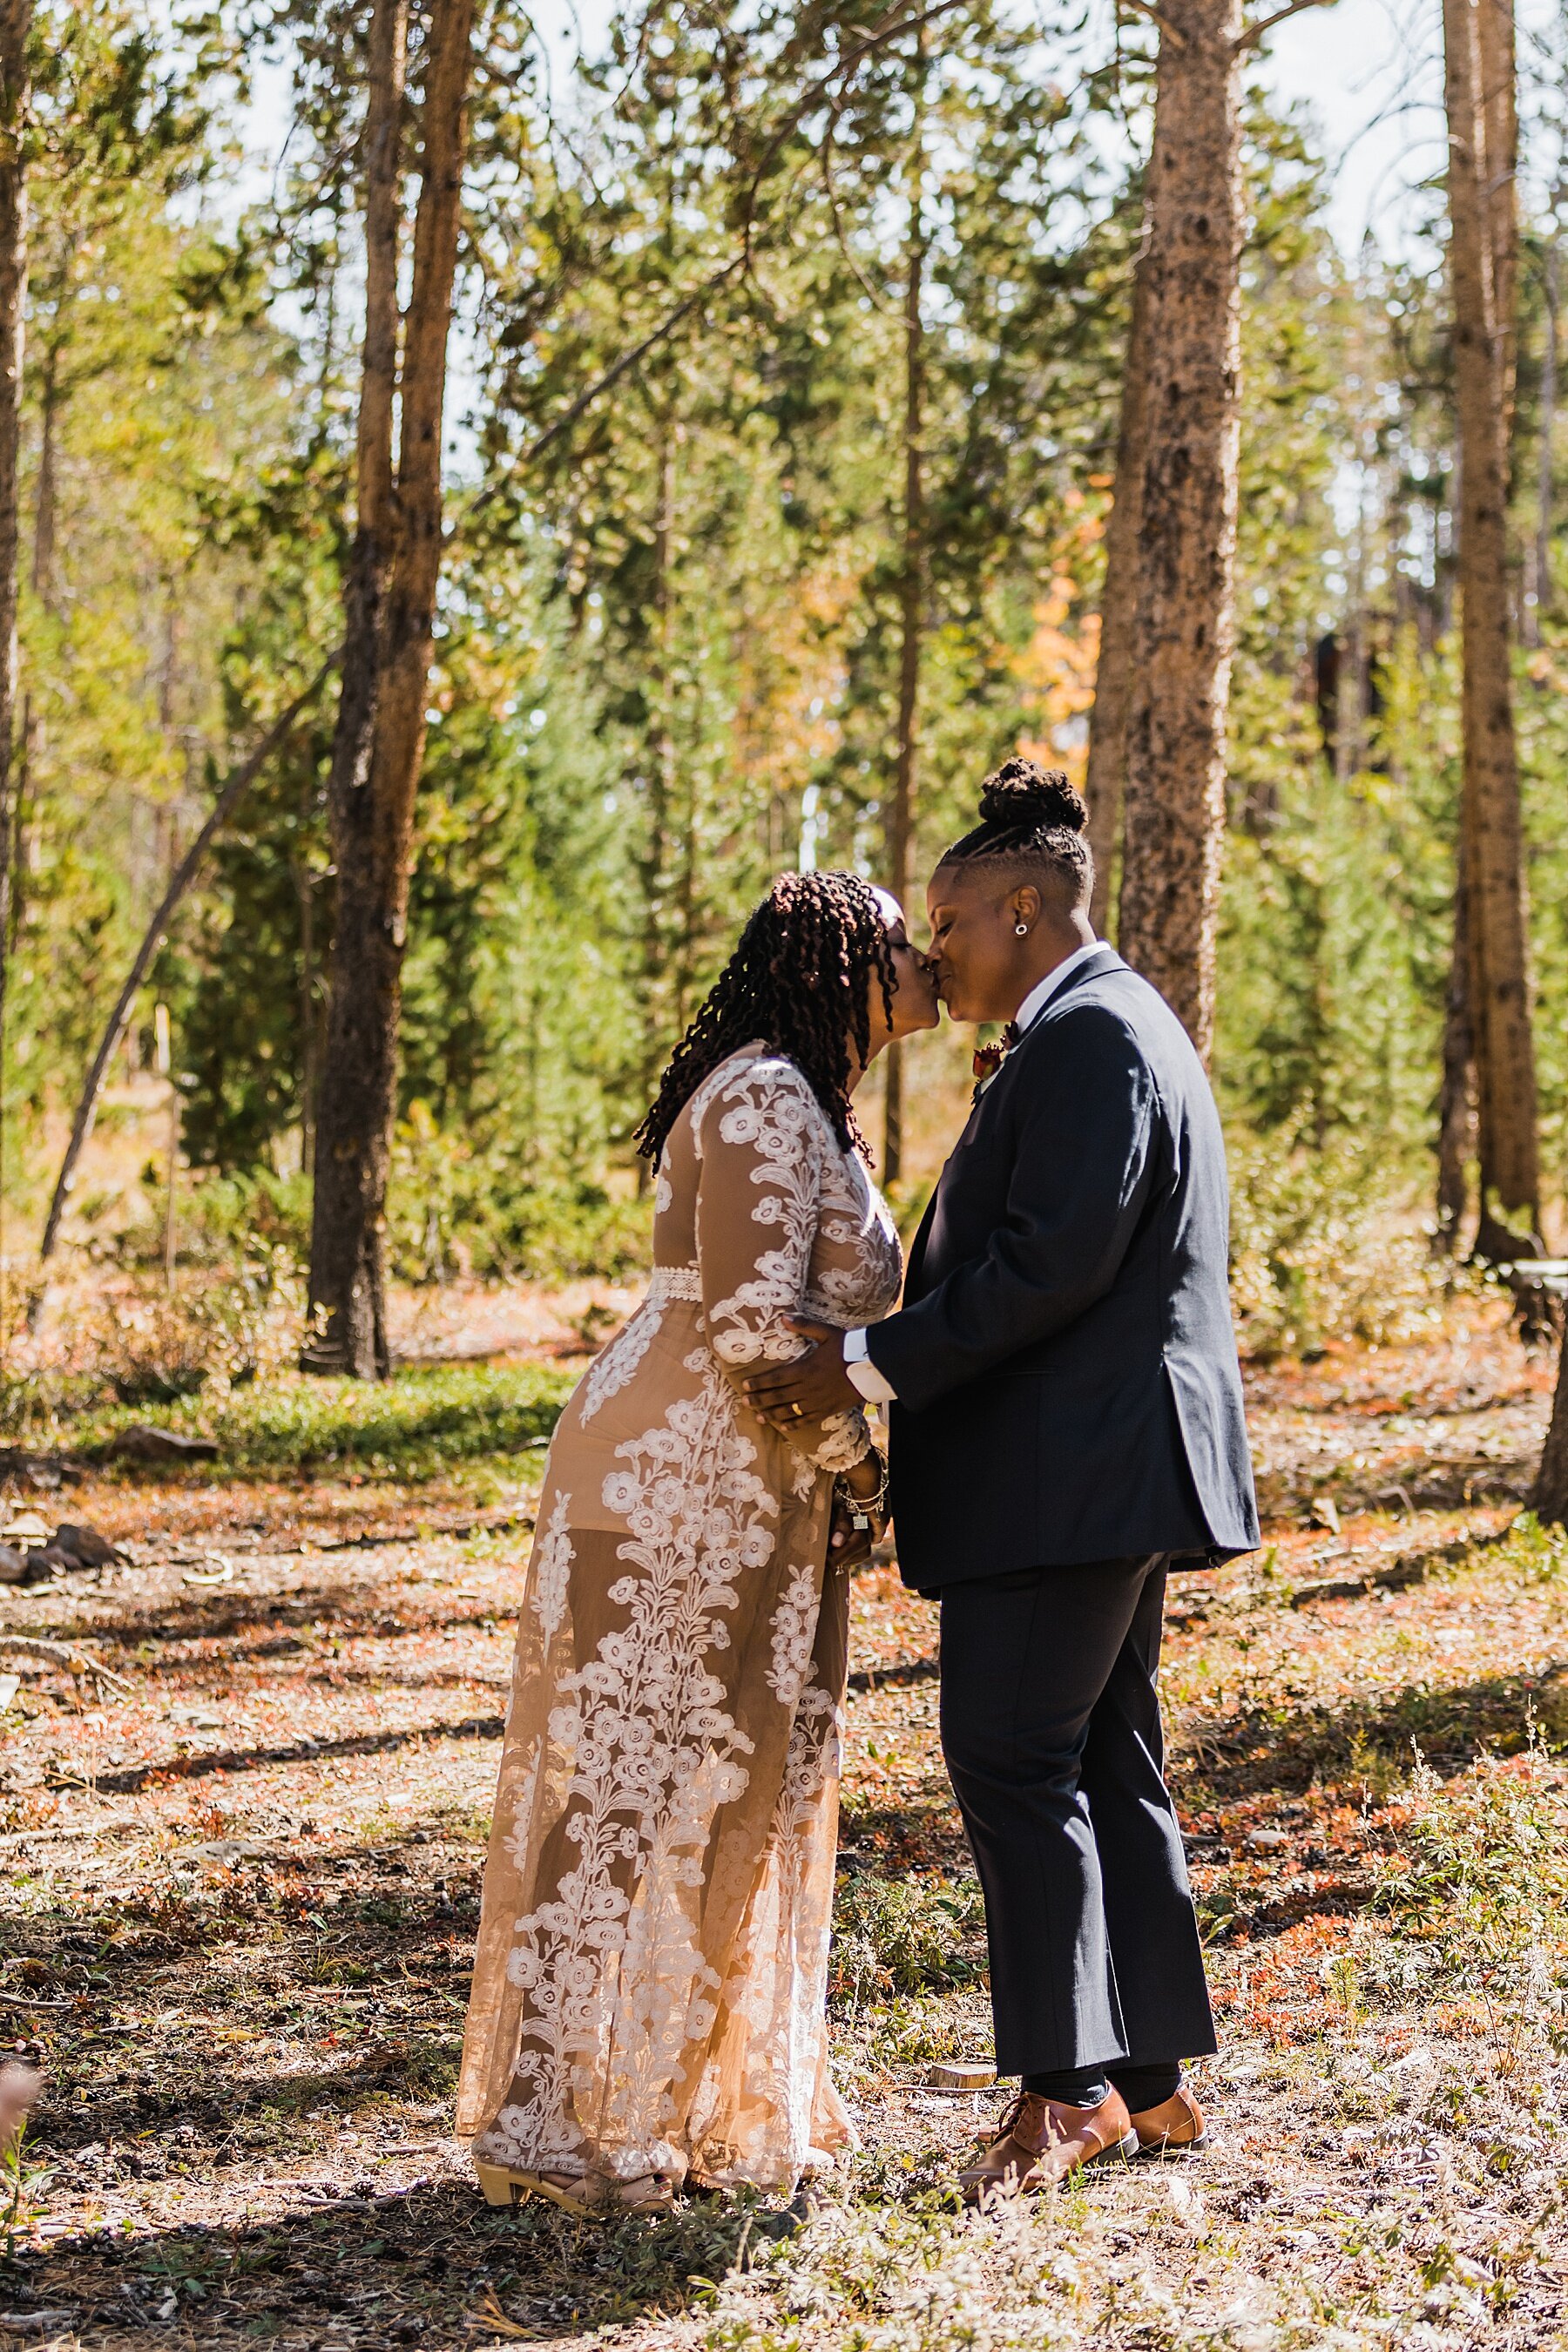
650 1983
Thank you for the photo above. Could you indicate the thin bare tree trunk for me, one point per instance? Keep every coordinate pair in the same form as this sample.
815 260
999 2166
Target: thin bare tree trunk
15 30
374 822
1103 783
911 622
1174 822
1495 904
232 793
1549 1497
1538 599
305 890
1499 104
653 865
1457 1102
665 767
46 496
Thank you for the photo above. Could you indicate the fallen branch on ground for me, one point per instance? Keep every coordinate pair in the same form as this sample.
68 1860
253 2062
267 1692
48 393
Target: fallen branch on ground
75 1660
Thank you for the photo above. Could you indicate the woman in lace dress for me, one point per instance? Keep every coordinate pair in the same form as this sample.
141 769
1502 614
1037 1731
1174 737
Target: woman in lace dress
649 1991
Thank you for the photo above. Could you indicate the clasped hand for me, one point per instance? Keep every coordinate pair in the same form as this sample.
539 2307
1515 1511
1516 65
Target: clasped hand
813 1386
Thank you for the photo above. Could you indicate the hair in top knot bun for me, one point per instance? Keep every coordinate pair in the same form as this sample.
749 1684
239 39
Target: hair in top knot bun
1022 795
1032 820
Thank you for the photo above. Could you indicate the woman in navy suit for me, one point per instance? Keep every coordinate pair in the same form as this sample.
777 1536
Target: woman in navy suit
1065 1417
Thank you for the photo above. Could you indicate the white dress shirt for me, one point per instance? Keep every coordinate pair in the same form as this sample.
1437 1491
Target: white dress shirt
873 1385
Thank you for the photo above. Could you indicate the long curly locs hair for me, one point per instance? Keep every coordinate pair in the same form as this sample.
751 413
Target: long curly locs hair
800 979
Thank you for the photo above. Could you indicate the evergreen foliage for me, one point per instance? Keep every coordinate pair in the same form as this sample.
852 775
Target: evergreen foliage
667 658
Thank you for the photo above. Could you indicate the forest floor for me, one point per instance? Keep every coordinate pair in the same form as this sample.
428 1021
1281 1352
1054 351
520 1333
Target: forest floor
239 1882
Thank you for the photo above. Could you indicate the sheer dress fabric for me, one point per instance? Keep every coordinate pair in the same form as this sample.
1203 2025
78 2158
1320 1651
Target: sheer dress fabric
650 1984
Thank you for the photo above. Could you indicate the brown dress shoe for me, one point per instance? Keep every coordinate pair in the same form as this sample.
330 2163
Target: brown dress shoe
1175 2127
1042 2140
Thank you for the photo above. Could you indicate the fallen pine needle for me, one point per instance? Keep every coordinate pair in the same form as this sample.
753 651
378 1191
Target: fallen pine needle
494 2316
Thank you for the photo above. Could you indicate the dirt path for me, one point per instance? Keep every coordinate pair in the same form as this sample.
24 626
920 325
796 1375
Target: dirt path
239 1884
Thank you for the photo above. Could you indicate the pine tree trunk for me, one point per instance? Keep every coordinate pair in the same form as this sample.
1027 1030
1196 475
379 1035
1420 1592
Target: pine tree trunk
1495 919
1174 822
46 495
1539 601
1103 783
373 811
1549 1498
348 1161
16 29
911 619
663 774
1499 126
1456 1107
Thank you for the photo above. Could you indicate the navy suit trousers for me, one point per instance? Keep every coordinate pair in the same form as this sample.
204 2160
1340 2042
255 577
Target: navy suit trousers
1050 1725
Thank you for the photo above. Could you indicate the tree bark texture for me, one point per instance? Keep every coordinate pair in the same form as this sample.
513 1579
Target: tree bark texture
1549 1498
15 30
911 621
1499 104
1174 824
382 736
46 495
1104 782
1539 601
663 771
370 558
1490 817
1457 1102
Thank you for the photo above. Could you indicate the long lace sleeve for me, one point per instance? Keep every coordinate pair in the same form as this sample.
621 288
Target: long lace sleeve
764 1149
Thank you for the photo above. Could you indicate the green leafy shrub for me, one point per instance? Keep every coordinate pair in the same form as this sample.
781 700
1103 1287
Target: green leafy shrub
224 1216
457 1210
1320 1251
902 1935
1483 1882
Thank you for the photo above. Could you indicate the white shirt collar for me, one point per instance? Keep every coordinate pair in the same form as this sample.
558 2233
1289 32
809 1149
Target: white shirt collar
1043 991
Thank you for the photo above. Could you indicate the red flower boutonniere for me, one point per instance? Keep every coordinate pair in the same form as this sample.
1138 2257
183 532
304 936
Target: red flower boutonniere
988 1059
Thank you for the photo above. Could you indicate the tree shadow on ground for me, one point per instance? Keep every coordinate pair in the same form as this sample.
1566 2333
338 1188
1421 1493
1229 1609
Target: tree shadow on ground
1370 1740
225 1763
256 1626
925 1832
429 2265
192 2023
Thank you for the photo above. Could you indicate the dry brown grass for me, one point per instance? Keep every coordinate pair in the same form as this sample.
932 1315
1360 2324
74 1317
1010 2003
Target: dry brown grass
238 1904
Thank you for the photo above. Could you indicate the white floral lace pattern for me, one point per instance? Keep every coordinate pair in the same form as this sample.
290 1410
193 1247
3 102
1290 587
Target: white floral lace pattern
793 1629
649 1984
855 1218
551 1568
616 1950
769 1118
617 1364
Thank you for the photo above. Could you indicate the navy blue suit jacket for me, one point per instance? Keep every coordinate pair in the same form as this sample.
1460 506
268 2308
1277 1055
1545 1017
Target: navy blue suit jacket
1064 1360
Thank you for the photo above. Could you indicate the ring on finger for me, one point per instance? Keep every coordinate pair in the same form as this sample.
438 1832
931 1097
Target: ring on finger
795 1409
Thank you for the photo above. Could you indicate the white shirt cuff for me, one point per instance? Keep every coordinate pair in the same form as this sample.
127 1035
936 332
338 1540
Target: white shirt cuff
873 1385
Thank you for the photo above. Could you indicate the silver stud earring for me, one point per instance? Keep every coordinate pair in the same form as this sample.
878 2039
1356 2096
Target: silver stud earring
1022 930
